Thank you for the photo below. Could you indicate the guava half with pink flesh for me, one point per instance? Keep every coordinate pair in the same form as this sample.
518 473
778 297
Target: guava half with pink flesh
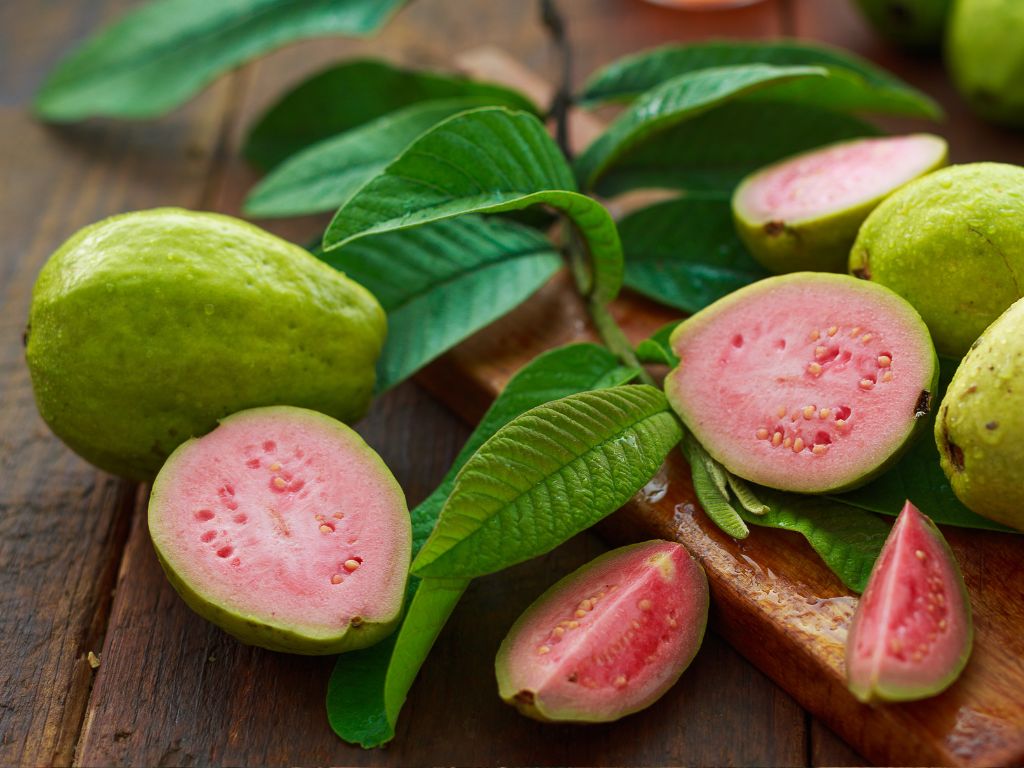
285 529
803 212
609 639
804 382
911 633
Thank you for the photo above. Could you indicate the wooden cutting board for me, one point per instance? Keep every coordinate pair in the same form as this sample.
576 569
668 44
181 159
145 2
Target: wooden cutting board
773 599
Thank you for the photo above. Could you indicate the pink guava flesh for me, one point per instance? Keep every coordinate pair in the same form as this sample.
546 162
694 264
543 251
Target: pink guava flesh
284 518
911 632
803 382
836 178
609 639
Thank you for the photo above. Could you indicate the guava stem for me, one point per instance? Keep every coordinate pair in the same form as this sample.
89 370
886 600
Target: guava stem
554 22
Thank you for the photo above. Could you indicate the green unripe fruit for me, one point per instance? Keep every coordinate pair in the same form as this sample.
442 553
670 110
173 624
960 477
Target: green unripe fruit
910 23
952 244
146 328
980 427
985 55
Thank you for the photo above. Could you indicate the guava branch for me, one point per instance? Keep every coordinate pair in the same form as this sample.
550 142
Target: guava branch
554 22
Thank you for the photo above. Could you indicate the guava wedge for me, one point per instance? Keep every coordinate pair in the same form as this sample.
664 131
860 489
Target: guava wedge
147 327
804 382
286 530
985 57
608 639
952 244
803 212
911 633
980 426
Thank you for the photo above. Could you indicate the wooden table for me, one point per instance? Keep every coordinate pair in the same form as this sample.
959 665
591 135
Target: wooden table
77 572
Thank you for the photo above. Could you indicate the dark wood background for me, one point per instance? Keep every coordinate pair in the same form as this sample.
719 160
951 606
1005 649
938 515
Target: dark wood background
77 572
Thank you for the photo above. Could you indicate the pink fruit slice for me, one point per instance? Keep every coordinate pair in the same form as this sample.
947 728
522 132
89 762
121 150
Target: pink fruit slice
608 639
804 382
911 634
285 529
804 212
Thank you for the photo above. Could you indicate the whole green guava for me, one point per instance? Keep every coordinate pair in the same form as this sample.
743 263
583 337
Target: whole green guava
980 426
911 23
952 244
146 328
985 56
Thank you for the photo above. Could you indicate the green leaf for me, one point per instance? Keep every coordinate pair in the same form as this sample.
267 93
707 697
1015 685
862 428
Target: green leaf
856 85
350 94
708 485
685 253
547 475
486 160
709 154
847 539
324 175
656 349
159 56
442 282
368 687
918 476
674 101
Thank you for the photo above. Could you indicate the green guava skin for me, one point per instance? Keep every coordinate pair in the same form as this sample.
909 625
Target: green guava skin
253 630
952 244
821 244
985 57
145 328
914 24
980 426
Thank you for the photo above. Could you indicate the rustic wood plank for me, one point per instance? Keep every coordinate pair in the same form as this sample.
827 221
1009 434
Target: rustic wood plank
829 749
63 524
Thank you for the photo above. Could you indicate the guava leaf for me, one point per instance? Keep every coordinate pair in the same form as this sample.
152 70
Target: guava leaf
918 476
712 495
855 85
656 349
710 153
485 160
352 93
674 101
368 687
157 57
545 476
685 253
324 175
846 538
442 282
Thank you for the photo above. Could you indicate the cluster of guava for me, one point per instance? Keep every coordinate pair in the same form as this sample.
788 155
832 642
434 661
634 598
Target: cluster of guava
223 360
983 41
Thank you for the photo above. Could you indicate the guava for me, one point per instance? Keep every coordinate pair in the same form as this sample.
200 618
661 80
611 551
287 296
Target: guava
985 56
286 530
952 244
980 426
146 328
803 212
609 639
911 633
808 382
915 24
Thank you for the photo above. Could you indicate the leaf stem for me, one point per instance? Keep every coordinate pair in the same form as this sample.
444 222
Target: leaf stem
614 338
554 22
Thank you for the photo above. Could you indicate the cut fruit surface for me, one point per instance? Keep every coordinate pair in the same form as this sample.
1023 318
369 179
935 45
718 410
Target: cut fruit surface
608 639
804 212
804 382
911 633
285 529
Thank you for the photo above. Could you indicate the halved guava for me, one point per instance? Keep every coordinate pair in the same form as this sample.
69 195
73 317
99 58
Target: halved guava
609 639
911 633
804 382
804 212
286 530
